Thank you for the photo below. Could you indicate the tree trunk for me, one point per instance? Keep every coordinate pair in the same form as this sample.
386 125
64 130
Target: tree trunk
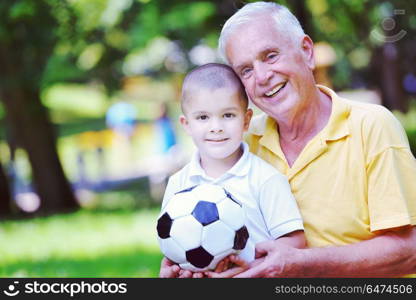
5 199
29 122
392 90
304 16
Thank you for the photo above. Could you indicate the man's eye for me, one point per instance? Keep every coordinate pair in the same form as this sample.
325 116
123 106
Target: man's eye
229 115
246 72
271 57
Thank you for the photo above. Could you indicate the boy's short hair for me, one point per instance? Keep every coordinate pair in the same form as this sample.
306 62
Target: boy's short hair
211 76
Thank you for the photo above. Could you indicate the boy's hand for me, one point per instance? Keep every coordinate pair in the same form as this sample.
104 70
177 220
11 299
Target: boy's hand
168 269
189 274
228 267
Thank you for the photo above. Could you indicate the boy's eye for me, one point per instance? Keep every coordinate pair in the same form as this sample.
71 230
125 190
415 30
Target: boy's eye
229 115
202 117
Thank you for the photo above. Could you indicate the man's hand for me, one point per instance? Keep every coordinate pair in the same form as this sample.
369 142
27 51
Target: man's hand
271 260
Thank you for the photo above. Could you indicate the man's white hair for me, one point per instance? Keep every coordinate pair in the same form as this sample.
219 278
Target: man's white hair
285 21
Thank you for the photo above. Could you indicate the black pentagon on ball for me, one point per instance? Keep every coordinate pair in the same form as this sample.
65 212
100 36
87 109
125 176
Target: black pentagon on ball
231 197
205 212
164 225
240 239
199 257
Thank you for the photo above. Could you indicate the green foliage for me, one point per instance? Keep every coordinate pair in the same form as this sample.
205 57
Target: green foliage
411 134
21 10
82 244
185 16
72 101
145 27
61 68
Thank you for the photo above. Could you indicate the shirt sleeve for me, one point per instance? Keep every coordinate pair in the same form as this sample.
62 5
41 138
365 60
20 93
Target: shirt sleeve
391 173
392 189
279 208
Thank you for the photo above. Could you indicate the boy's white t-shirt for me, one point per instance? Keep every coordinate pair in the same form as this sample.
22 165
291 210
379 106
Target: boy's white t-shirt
270 208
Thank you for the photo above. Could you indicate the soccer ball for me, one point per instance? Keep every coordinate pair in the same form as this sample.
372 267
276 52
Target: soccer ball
200 226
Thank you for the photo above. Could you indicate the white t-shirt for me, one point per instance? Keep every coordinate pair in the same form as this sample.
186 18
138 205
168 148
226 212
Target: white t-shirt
270 208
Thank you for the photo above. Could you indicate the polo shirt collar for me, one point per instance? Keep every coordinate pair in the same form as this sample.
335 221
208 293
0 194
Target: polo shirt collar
241 168
336 128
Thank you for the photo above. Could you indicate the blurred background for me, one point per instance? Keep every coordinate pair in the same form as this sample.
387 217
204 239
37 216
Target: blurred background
89 101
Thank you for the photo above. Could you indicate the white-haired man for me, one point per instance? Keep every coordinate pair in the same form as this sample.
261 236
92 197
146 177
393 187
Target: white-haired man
349 164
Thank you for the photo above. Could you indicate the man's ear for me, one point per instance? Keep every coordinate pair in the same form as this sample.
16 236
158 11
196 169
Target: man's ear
184 122
307 49
247 118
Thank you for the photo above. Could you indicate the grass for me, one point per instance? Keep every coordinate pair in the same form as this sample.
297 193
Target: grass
81 244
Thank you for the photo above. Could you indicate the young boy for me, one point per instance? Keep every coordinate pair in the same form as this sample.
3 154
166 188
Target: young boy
216 115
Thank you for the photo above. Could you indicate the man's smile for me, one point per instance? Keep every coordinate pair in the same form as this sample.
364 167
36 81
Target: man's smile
275 90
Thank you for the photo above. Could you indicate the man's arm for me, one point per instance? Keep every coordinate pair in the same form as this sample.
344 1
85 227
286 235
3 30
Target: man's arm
291 240
391 254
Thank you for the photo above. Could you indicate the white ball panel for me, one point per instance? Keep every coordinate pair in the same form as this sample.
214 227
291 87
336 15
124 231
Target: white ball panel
209 192
181 204
187 232
172 250
217 237
231 213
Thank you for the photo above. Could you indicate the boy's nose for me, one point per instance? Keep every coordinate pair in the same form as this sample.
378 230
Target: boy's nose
216 126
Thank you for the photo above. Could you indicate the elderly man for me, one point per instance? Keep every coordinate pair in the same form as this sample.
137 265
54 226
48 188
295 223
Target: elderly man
349 164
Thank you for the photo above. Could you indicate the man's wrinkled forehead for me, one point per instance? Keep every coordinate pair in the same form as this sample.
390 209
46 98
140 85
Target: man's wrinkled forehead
254 39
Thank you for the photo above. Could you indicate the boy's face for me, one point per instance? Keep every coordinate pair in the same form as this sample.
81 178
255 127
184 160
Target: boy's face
216 121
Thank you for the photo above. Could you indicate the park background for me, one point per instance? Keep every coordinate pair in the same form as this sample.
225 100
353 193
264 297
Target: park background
89 101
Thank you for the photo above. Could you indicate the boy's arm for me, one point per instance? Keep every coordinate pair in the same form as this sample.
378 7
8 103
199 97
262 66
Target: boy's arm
295 239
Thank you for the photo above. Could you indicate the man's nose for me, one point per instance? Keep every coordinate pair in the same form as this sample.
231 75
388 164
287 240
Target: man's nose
262 73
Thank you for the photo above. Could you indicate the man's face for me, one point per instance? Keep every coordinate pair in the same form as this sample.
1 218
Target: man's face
275 70
216 121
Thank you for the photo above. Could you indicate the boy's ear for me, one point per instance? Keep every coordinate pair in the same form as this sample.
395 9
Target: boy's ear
247 118
184 122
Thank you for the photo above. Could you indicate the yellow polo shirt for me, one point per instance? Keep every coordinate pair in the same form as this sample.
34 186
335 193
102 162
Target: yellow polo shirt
356 177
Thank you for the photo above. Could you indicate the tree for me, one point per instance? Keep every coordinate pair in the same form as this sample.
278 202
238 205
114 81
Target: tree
5 199
27 38
40 42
